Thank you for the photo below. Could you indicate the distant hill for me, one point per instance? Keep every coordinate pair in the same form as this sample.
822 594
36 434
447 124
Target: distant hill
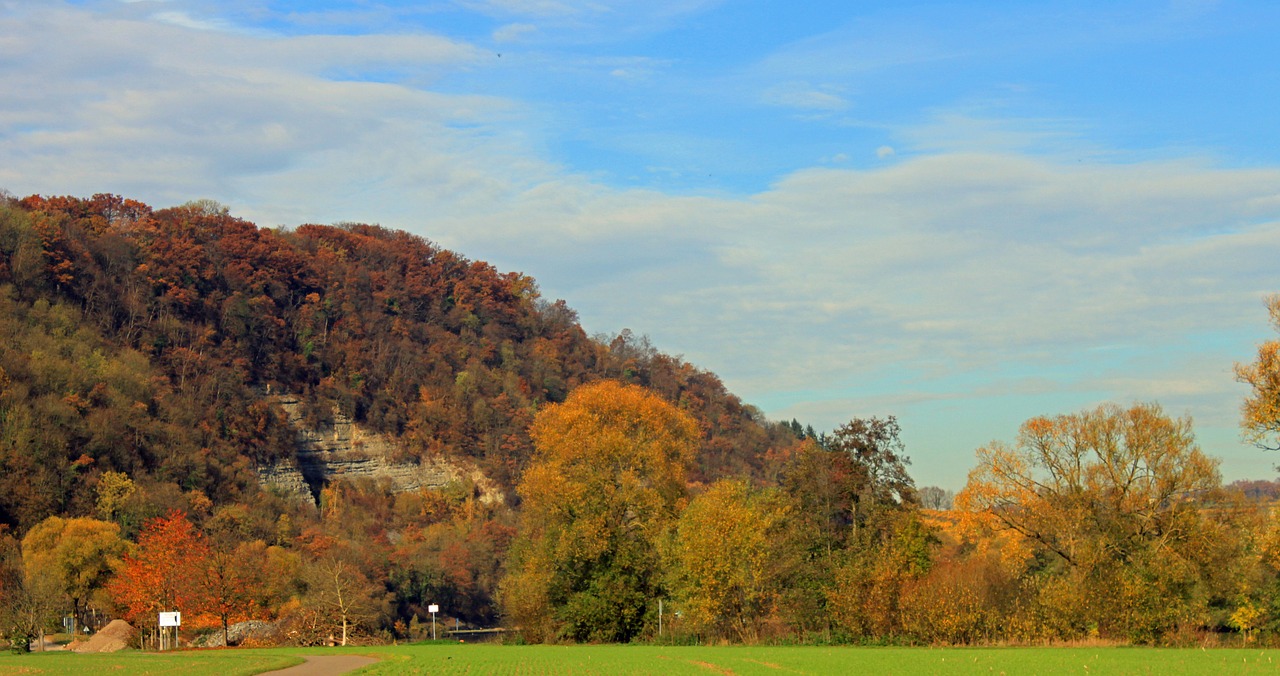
153 342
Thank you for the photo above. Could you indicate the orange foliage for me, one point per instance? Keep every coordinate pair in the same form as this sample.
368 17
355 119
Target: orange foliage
165 573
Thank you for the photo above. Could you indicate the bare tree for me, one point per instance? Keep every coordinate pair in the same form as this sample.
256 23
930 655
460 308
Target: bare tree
342 594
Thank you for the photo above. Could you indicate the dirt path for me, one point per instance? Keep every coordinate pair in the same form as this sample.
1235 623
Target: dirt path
324 665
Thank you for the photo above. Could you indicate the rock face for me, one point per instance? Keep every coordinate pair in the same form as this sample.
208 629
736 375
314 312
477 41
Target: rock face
343 449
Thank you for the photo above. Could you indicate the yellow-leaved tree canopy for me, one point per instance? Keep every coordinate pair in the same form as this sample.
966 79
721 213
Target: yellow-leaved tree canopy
1134 535
1261 408
604 486
732 558
81 554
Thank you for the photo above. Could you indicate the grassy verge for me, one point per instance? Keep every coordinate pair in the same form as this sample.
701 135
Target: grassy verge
775 661
442 658
128 662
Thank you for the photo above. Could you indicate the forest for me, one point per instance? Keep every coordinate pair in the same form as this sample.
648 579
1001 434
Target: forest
642 501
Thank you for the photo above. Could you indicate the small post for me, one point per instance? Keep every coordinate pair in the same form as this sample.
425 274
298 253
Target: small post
659 618
433 609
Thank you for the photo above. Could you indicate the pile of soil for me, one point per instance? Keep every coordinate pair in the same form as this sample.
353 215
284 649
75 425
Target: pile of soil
115 636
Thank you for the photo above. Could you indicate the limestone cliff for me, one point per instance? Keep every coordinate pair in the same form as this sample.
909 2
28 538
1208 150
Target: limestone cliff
342 449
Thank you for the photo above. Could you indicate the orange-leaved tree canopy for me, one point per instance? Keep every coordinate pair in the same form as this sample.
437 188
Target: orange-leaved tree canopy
165 573
606 482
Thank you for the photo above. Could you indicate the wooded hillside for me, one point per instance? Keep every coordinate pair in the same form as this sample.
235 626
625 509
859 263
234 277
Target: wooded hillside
143 341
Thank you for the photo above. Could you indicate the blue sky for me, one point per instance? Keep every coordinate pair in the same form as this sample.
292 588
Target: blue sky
962 214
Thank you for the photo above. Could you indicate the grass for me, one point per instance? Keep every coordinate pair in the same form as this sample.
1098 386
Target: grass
446 658
130 662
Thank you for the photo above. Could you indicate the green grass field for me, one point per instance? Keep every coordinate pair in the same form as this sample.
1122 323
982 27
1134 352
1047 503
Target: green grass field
444 658
196 663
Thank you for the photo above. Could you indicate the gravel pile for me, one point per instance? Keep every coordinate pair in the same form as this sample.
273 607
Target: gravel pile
115 636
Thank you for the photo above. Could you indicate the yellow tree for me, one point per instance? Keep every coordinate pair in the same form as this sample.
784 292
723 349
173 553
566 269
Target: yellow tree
114 489
1116 496
604 486
865 597
1261 410
80 553
27 601
731 557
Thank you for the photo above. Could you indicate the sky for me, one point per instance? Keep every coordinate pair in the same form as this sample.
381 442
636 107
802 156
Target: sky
962 214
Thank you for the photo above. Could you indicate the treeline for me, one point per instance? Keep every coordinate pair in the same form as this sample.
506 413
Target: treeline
1106 524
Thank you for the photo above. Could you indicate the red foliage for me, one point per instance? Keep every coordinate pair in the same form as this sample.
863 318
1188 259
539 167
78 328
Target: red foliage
165 573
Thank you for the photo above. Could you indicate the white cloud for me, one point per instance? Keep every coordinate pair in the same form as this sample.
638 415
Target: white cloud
513 32
589 21
214 107
185 20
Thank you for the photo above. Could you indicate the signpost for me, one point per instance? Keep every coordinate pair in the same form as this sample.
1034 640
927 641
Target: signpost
167 620
433 609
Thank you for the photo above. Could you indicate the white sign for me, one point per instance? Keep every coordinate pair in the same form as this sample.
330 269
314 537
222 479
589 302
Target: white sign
171 619
433 609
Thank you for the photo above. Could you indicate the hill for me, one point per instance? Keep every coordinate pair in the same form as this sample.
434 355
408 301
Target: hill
151 342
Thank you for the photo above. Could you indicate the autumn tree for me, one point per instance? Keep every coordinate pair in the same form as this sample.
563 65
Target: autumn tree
114 489
870 575
856 503
879 463
28 599
845 485
166 572
603 489
732 557
231 585
1261 409
1116 498
79 553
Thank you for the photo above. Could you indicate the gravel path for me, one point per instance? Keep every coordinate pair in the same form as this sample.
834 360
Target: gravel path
324 665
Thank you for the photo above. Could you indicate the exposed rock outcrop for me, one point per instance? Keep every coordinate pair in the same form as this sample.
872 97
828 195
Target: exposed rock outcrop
251 631
343 449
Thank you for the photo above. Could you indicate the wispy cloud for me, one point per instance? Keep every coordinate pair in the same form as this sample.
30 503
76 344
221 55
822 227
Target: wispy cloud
186 20
513 32
805 97
966 263
535 8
